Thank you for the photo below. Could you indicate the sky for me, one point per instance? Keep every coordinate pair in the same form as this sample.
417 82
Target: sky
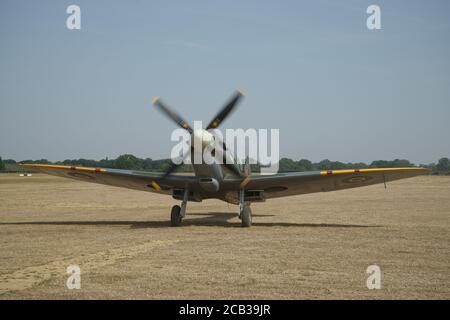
312 69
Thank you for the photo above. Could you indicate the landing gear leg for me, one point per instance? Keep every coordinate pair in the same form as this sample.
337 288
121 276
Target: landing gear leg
177 214
245 213
184 203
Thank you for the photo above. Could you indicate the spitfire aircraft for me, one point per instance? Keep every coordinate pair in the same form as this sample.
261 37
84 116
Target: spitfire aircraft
226 181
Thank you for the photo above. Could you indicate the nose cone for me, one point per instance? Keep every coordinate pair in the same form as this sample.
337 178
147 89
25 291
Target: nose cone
201 137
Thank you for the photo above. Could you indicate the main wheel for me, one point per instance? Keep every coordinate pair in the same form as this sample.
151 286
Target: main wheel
246 217
175 216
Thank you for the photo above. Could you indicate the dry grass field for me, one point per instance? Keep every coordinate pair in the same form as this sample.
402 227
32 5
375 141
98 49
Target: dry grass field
303 247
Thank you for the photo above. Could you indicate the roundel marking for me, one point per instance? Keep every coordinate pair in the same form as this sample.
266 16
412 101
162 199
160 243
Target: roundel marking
357 179
80 175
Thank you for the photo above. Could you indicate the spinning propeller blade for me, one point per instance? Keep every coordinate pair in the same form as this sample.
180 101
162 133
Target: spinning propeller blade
171 114
226 110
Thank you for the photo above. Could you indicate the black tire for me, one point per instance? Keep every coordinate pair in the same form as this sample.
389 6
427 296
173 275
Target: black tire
246 217
175 216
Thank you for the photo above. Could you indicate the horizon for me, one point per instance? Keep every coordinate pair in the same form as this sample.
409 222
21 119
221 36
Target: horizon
368 163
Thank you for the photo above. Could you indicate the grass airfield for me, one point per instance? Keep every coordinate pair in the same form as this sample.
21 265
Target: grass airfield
314 246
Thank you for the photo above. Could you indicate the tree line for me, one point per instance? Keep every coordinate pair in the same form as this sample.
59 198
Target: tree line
131 162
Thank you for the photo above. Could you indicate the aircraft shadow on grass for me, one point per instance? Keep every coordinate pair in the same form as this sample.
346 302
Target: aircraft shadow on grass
213 219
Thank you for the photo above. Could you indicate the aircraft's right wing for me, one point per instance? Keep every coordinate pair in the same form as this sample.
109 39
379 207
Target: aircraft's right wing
138 180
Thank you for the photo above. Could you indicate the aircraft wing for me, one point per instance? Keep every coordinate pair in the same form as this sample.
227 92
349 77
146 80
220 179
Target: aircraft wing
138 180
274 186
288 184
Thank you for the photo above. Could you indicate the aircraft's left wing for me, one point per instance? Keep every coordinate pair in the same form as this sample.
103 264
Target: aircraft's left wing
288 184
138 180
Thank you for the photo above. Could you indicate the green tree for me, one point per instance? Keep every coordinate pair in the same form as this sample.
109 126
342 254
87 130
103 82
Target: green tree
305 165
443 164
287 165
397 163
128 161
2 165
379 164
324 165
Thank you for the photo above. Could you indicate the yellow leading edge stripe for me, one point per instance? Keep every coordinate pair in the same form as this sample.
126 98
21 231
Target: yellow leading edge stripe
325 172
51 166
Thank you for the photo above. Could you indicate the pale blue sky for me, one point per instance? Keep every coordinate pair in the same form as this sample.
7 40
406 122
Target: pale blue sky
312 69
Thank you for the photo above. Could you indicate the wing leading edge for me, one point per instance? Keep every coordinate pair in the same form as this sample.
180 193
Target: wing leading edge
274 186
288 184
138 180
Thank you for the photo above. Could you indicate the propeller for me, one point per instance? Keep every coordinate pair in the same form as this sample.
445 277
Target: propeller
214 124
226 110
171 114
